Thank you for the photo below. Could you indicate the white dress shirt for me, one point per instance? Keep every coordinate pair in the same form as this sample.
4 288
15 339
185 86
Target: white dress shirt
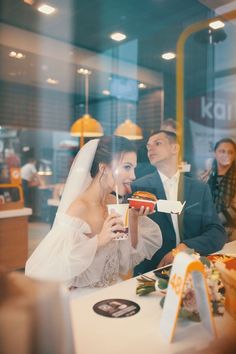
171 190
28 171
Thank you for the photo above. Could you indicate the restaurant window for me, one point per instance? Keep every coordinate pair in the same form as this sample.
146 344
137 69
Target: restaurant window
44 60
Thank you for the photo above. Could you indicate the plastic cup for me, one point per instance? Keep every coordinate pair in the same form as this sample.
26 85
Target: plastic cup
123 210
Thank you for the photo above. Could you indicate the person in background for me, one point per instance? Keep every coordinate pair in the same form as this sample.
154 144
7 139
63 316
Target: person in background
169 124
4 173
30 181
80 249
221 178
198 226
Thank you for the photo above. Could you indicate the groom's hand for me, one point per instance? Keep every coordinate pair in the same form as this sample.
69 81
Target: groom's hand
169 257
166 260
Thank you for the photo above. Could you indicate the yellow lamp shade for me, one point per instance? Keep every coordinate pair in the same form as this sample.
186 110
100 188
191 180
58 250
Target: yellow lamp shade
129 130
87 127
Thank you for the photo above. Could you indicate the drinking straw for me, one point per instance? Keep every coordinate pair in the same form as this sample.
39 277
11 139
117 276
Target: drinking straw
117 197
127 218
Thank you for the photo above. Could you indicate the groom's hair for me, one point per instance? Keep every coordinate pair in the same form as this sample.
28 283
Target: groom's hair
109 147
171 136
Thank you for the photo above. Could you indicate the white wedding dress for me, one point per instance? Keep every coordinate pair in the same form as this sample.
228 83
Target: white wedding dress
66 254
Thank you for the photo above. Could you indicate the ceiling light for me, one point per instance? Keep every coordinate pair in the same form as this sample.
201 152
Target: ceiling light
19 56
117 36
16 55
141 85
46 9
106 92
168 56
216 24
83 71
129 130
52 81
12 54
86 126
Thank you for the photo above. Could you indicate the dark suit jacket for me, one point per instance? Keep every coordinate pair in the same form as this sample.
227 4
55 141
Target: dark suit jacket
199 224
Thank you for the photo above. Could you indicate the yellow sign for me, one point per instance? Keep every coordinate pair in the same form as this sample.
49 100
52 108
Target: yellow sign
182 266
15 175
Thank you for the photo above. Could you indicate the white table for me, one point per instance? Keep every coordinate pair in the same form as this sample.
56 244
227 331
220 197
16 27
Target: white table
13 213
138 334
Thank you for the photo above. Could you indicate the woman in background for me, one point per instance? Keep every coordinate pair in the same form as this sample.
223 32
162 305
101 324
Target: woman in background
30 183
80 250
221 178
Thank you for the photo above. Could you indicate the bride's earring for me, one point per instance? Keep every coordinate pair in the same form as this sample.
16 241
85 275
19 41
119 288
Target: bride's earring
104 174
102 169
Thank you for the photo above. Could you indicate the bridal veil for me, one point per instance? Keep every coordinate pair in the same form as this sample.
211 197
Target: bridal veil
79 176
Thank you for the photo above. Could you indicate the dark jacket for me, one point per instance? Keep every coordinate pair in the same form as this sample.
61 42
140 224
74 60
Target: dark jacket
199 224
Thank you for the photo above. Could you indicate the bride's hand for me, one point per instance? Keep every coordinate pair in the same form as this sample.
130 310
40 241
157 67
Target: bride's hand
133 223
140 212
112 223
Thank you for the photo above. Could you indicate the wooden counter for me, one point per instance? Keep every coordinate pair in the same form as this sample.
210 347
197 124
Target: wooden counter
14 238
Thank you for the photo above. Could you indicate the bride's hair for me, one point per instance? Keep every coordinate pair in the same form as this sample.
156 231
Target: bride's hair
108 148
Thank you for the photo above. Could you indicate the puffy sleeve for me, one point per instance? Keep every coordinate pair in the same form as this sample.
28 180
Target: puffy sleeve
64 253
149 241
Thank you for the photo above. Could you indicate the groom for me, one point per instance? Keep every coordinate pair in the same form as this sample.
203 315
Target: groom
198 226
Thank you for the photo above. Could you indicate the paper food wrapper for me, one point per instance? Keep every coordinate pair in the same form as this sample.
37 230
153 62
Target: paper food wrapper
170 206
184 167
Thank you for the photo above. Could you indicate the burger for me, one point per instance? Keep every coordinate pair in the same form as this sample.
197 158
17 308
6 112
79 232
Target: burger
144 195
142 198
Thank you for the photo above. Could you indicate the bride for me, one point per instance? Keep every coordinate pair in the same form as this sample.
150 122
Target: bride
80 249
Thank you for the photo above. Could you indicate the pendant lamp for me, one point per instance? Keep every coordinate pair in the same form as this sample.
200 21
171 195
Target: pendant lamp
129 130
86 126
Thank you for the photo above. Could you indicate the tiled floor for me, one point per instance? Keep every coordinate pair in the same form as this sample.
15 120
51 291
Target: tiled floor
37 231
